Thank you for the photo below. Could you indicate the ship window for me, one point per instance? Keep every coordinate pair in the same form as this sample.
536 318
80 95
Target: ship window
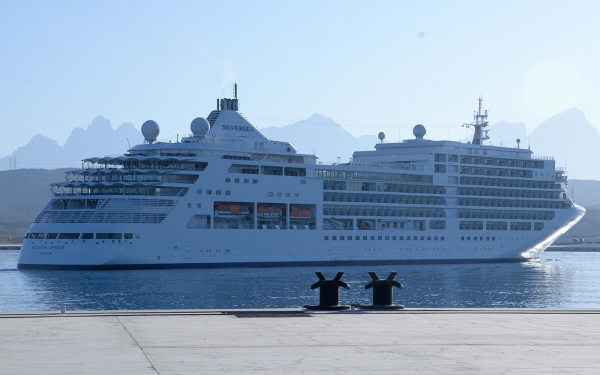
227 192
462 238
326 238
357 238
387 237
199 205
228 179
87 236
468 238
342 238
364 238
128 236
218 192
208 191
379 238
372 238
334 237
428 238
493 238
480 238
435 238
442 238
68 236
279 194
109 236
349 238
270 194
237 180
246 180
255 181
393 238
401 238
198 191
303 182
487 238
422 238
51 236
408 238
296 195
474 238
287 194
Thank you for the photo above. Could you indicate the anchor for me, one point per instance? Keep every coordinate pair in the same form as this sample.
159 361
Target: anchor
329 293
383 293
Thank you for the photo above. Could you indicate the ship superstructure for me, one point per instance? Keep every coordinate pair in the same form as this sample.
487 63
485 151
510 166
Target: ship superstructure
228 196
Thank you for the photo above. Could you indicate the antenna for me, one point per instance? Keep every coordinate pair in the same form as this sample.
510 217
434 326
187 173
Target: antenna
480 123
127 144
235 90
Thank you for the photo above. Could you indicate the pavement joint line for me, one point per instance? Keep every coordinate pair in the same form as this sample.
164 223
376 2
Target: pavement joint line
138 345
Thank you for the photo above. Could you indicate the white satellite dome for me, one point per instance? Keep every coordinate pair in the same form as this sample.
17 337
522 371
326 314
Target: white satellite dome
150 131
419 131
199 127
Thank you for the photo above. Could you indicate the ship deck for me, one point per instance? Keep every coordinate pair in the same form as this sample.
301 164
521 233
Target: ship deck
417 341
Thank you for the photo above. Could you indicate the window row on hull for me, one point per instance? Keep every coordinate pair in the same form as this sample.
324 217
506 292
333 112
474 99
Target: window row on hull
380 198
349 210
497 214
373 176
511 193
513 203
382 187
501 225
509 183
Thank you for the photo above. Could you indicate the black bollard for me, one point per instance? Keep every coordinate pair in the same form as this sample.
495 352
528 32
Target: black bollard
383 293
329 293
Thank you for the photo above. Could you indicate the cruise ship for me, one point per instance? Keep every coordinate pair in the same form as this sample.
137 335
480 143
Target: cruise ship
228 196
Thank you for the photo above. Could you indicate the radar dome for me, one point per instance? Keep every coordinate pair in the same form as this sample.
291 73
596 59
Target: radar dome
381 136
150 131
199 127
419 131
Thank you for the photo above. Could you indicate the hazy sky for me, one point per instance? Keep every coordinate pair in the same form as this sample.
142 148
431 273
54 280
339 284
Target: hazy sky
369 65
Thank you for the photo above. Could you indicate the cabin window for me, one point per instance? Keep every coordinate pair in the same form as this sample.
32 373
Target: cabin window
128 236
87 236
68 236
51 236
109 236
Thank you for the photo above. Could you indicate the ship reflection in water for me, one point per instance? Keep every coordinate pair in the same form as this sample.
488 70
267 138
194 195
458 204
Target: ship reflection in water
557 280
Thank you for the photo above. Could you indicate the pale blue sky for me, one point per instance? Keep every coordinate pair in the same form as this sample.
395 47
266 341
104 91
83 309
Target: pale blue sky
371 66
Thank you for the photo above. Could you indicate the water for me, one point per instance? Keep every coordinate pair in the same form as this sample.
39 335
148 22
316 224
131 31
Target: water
566 280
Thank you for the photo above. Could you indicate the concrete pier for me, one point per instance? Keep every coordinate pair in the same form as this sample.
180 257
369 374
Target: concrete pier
293 341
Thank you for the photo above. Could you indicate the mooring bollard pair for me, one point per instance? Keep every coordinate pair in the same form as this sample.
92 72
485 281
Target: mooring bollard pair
329 293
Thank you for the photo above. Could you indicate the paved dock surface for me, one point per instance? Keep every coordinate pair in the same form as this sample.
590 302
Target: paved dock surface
430 341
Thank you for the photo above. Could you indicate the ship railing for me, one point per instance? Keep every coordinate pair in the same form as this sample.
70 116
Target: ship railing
540 157
379 165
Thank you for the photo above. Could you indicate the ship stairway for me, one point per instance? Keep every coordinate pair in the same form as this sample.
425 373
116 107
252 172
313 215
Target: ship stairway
212 117
259 157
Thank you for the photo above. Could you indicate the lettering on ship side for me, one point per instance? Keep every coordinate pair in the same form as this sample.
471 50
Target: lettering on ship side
45 247
247 129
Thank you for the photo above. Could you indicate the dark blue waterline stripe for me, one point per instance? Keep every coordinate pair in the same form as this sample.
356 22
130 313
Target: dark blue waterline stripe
262 264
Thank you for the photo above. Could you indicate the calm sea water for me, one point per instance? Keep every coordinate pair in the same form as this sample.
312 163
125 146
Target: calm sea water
557 280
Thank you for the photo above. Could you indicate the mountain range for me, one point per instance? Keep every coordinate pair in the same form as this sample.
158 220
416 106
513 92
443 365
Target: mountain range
98 139
568 136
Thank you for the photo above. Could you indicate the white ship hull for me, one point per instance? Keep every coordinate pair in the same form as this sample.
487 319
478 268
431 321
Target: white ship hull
209 200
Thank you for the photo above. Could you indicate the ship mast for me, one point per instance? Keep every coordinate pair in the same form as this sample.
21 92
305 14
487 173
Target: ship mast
480 123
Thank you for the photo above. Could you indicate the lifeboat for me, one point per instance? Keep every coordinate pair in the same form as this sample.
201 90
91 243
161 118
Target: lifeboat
298 214
269 212
231 211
